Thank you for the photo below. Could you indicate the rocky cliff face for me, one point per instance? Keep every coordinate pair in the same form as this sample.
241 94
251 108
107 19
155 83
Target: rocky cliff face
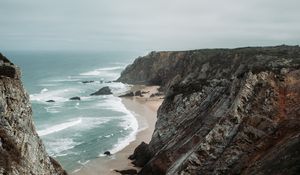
226 111
21 150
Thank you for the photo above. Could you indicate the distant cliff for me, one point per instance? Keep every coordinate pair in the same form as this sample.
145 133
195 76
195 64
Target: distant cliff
21 150
226 111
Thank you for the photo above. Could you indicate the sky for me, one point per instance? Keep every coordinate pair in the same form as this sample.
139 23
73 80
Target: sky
140 25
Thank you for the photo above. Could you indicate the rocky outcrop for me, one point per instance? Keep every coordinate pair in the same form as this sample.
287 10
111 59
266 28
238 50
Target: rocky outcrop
103 91
226 111
75 98
21 150
141 155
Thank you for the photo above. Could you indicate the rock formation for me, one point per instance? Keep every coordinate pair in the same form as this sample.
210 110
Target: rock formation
103 91
21 150
226 111
75 98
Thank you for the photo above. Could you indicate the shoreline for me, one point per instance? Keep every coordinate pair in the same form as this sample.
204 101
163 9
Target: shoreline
144 110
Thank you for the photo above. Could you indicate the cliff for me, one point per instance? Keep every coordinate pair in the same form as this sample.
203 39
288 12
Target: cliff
22 151
226 111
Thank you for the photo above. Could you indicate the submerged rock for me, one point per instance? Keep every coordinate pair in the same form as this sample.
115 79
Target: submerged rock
75 98
88 81
50 101
103 91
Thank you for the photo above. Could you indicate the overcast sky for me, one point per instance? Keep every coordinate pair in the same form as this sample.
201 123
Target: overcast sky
146 25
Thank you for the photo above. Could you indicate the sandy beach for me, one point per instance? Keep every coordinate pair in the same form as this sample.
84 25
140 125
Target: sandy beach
145 110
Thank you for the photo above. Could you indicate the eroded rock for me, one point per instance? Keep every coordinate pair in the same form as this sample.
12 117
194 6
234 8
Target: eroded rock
226 111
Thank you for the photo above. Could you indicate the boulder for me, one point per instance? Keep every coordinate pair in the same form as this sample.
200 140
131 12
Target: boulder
103 91
75 98
107 153
50 101
141 155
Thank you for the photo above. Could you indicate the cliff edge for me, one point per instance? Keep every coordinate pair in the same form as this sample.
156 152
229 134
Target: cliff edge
226 111
22 151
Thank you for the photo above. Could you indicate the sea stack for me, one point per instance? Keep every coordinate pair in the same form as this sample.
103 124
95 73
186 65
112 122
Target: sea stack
21 149
226 111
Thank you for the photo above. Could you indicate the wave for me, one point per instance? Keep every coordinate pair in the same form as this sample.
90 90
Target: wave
60 95
58 146
108 72
59 127
129 123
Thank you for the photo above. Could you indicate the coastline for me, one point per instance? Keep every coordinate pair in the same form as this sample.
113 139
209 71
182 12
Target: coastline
144 110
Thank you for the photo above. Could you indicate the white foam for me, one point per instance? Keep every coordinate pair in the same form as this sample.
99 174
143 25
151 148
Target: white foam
60 95
44 90
129 123
52 109
83 163
59 127
57 146
103 72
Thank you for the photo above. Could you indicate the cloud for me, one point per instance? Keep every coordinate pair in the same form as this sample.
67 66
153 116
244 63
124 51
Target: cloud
146 25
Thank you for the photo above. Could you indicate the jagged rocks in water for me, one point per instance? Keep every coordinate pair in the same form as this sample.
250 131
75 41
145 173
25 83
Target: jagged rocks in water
103 91
21 149
141 155
127 172
226 111
50 101
75 98
129 94
88 81
107 153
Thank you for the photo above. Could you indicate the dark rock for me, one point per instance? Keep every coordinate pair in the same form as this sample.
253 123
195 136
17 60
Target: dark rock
138 93
141 155
88 81
156 94
129 94
145 92
103 91
226 111
50 101
152 95
127 172
75 98
21 149
107 153
7 69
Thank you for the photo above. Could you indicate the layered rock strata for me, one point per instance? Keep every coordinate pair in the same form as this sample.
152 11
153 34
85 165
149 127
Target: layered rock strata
226 111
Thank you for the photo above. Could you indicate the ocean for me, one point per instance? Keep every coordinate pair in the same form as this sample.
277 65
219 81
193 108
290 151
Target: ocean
75 132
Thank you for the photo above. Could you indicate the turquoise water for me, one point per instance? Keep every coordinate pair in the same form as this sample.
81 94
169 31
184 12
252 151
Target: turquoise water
75 132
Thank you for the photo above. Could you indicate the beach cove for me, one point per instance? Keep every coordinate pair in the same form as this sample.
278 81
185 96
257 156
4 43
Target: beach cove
145 110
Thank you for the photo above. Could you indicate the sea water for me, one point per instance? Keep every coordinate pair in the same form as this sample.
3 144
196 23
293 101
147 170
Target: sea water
75 132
